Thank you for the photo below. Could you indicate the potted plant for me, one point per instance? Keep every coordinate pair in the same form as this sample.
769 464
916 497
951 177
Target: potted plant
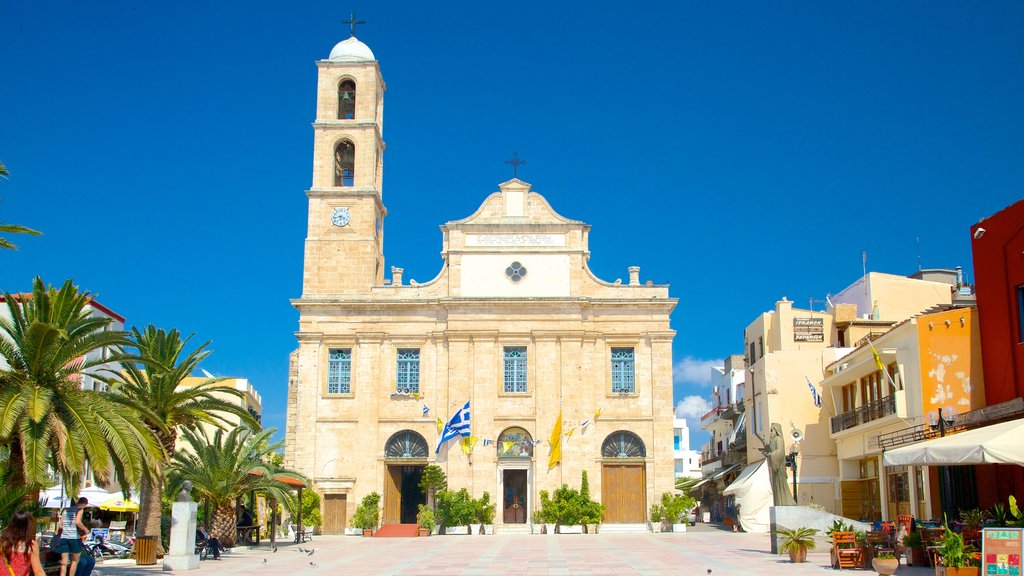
484 511
569 510
425 520
657 517
955 557
367 514
592 511
537 522
885 563
917 555
548 514
455 511
973 520
676 508
796 541
837 526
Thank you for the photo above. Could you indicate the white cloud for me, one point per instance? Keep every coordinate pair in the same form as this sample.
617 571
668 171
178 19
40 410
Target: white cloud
692 407
692 370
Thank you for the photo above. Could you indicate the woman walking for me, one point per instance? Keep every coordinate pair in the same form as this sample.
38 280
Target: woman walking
70 542
19 548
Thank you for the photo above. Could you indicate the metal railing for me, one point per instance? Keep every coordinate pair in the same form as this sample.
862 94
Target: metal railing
871 411
1001 412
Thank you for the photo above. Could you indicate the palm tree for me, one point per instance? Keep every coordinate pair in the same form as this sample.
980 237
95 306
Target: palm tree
227 466
153 386
48 342
13 228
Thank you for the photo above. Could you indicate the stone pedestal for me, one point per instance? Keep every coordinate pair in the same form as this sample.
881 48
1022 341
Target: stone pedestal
182 555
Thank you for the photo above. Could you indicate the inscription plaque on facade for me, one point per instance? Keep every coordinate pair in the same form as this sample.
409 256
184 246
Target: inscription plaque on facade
808 329
515 240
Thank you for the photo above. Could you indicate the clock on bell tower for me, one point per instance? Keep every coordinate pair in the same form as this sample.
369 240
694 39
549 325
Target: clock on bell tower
344 238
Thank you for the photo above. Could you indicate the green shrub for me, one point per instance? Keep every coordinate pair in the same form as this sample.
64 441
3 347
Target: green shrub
433 481
367 515
311 509
676 507
484 509
455 508
794 539
425 518
657 513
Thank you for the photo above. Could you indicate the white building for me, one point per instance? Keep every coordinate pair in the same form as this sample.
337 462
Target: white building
687 461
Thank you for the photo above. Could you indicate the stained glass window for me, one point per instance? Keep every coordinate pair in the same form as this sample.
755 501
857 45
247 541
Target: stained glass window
515 272
623 444
622 371
339 371
515 369
515 443
407 378
406 444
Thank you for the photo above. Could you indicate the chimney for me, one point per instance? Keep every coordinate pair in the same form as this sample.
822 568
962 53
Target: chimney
634 275
396 275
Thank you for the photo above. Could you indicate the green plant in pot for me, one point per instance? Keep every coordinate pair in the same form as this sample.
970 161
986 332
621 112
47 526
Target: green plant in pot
885 563
484 510
425 520
367 515
913 542
956 557
657 517
796 541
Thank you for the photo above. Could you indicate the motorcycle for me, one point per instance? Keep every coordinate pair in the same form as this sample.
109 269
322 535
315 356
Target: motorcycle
101 548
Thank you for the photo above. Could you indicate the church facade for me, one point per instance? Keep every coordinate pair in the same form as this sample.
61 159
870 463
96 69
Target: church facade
515 324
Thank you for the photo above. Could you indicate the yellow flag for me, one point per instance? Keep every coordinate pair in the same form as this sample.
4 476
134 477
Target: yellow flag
467 443
878 359
506 446
440 424
598 413
569 433
556 443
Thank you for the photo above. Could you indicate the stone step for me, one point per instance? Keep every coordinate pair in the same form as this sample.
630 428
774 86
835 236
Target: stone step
623 528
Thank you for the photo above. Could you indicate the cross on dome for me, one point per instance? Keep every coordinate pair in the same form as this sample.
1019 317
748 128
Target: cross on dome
352 22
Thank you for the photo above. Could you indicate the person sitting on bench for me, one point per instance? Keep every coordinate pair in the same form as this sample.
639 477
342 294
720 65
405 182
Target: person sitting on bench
204 539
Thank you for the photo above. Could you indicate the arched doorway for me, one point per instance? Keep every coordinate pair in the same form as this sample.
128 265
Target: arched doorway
623 478
515 459
405 456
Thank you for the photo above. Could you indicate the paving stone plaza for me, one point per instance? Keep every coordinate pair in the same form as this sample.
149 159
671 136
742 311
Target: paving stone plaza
696 552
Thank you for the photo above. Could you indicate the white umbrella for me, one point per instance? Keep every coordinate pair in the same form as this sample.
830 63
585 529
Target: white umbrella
995 444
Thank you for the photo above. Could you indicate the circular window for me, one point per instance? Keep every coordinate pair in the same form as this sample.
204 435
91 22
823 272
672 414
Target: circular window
623 444
515 272
515 443
406 444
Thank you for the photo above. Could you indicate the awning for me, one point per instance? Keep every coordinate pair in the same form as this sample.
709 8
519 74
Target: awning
715 476
995 444
753 492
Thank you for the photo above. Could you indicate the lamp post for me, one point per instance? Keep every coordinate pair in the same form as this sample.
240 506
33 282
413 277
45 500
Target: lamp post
794 450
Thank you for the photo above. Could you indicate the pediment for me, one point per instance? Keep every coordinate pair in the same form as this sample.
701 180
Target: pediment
514 204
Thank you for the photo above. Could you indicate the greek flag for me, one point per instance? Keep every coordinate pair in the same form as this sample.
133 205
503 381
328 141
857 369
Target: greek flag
457 426
814 392
426 410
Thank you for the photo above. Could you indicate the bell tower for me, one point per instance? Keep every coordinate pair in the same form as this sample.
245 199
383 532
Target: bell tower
344 238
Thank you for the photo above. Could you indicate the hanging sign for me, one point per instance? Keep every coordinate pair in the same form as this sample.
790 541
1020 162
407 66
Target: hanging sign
1001 551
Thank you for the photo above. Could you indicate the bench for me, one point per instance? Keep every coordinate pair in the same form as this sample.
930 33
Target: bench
306 536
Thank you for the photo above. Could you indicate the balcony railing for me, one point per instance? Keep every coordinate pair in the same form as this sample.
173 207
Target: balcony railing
871 411
712 413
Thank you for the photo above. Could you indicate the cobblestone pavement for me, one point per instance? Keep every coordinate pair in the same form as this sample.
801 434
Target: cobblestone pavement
701 551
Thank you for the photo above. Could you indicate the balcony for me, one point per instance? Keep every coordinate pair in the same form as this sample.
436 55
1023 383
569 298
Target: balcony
711 416
733 411
871 411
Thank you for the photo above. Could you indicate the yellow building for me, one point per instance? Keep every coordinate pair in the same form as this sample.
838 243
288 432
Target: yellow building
514 323
931 362
250 400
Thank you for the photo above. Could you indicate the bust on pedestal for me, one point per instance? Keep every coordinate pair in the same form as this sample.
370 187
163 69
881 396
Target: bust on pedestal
182 555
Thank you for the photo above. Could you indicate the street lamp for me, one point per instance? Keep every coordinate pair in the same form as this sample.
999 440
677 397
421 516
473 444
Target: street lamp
794 450
943 420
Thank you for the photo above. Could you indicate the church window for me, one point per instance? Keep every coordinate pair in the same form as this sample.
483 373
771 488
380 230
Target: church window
515 369
623 381
407 378
515 272
623 444
339 371
344 163
406 444
515 443
347 100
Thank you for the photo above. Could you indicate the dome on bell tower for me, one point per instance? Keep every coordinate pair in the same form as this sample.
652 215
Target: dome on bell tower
351 50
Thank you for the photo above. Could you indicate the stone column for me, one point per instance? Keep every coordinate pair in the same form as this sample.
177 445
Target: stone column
182 555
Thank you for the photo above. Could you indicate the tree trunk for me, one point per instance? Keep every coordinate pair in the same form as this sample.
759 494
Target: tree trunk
16 477
224 525
150 490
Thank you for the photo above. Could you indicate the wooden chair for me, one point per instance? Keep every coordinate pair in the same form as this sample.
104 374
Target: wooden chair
932 538
879 542
844 546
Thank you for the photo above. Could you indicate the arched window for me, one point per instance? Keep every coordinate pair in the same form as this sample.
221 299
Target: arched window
515 443
623 444
347 100
406 444
344 163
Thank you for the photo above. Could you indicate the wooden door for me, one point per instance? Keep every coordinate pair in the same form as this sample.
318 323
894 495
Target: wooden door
514 504
334 513
393 496
623 492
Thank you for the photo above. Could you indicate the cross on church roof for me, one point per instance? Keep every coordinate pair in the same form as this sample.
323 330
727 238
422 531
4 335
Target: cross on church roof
515 162
352 22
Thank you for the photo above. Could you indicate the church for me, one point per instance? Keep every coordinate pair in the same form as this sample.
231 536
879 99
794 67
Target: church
514 324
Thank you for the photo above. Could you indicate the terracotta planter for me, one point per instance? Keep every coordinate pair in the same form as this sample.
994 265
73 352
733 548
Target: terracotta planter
422 532
367 532
799 555
886 566
966 571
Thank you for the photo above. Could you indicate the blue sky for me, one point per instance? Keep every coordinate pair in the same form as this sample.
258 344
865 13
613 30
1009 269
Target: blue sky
739 151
